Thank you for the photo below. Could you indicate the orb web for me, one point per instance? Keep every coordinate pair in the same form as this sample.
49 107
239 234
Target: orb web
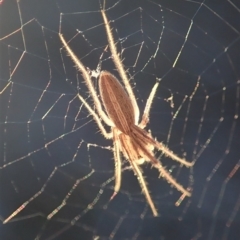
57 170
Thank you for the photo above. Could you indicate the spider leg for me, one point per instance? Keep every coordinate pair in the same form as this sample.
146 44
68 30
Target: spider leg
118 63
142 182
88 82
166 151
140 138
107 135
139 133
145 117
130 147
118 163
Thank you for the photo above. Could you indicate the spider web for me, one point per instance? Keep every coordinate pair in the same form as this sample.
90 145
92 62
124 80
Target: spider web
57 170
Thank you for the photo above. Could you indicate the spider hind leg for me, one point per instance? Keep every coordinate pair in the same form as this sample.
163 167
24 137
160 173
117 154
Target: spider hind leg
138 133
140 137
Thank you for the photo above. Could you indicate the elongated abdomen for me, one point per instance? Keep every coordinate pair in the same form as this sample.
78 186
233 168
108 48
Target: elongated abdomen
116 102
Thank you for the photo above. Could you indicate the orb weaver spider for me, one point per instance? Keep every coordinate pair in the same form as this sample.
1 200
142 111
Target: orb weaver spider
122 114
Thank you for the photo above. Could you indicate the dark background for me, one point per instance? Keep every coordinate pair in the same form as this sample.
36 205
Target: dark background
45 131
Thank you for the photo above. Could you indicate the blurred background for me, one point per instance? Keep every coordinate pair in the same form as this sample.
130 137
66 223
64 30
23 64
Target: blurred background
57 170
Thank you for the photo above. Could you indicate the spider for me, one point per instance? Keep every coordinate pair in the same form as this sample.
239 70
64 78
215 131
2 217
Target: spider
118 109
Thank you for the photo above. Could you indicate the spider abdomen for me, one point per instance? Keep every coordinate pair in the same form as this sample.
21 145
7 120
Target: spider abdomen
116 102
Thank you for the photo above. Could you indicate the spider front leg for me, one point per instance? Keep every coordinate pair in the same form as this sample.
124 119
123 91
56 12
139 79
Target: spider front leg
107 135
119 65
88 82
